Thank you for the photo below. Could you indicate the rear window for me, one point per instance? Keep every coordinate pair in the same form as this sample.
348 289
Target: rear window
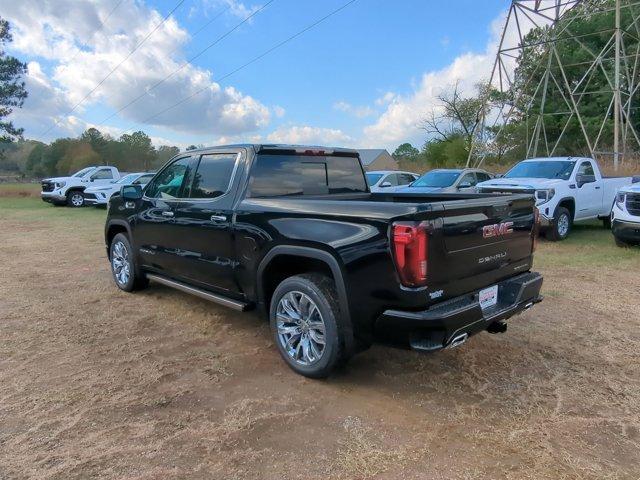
280 175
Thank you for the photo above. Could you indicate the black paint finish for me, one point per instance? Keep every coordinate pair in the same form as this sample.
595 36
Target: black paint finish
221 244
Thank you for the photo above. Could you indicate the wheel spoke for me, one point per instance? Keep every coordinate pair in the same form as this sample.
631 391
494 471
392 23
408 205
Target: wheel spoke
315 337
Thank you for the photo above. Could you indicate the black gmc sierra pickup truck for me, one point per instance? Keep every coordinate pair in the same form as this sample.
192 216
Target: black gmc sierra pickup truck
295 232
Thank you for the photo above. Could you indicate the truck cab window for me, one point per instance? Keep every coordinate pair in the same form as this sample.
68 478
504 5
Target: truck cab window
213 176
103 174
586 169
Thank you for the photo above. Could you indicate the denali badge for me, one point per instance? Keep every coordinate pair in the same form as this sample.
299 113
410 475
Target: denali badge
492 258
497 230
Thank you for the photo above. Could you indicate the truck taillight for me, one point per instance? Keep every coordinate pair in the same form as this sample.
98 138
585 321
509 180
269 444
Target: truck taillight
536 228
410 243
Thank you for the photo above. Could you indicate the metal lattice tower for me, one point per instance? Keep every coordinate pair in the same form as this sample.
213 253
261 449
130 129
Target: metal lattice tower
616 66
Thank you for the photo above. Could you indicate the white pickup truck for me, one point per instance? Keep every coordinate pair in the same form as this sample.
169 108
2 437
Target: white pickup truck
567 190
69 190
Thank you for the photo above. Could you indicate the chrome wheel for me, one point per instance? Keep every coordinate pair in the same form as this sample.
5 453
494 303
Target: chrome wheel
120 263
563 225
301 328
77 199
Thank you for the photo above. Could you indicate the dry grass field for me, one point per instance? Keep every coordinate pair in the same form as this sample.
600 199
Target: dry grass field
97 383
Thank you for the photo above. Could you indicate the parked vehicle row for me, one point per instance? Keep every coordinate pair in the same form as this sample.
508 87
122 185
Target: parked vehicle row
91 185
295 232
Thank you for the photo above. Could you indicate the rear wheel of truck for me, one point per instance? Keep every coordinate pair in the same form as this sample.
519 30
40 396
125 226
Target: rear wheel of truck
561 227
75 199
123 266
305 320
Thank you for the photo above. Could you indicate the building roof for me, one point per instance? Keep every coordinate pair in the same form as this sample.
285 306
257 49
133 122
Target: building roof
369 155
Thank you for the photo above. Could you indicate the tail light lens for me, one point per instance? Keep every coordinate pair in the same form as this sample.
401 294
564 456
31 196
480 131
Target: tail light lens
535 229
410 243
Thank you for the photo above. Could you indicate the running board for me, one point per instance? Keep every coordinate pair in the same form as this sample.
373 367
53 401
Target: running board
212 297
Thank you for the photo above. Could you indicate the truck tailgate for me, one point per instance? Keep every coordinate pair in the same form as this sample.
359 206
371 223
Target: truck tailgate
475 243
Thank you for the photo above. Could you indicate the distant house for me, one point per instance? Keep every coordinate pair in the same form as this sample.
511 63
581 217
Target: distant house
377 159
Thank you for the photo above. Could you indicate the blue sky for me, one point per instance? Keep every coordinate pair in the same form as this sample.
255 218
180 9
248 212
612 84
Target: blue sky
364 77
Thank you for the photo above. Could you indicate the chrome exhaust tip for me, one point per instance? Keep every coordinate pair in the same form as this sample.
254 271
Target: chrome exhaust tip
458 340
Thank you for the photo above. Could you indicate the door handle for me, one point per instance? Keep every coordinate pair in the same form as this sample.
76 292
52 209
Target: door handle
597 188
167 214
218 218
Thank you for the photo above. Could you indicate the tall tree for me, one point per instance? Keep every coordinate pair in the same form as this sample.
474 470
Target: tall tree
12 87
406 151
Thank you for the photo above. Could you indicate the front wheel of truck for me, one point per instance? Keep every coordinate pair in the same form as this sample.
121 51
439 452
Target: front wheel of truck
562 223
305 320
123 266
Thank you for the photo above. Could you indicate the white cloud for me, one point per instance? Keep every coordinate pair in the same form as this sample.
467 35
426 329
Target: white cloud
309 135
399 122
356 111
68 33
279 111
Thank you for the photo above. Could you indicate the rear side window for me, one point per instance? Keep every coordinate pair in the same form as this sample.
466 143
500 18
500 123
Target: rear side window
280 175
213 175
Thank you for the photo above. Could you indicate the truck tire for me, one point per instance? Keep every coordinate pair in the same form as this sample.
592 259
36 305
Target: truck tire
305 321
123 266
75 199
621 243
561 226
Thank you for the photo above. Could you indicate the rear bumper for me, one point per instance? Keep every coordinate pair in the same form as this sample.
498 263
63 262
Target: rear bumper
624 230
438 326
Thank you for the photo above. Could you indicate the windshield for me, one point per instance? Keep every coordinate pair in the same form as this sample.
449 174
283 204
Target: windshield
546 169
83 172
436 179
128 178
372 178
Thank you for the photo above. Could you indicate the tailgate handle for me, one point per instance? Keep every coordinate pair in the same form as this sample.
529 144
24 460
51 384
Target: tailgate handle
167 214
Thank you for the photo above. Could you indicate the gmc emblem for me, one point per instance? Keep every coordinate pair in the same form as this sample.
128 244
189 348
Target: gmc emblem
497 230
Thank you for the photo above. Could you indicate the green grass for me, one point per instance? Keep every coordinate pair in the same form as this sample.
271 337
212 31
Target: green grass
34 209
588 244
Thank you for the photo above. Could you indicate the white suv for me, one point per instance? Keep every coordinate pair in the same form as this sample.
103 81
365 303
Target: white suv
625 216
100 194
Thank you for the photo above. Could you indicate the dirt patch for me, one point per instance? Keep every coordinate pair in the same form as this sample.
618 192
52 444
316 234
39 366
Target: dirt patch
97 383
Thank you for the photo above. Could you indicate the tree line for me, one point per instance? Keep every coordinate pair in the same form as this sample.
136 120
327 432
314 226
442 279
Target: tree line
129 152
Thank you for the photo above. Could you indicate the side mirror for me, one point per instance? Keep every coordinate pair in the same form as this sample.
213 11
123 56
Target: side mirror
385 184
465 185
583 179
131 193
498 175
